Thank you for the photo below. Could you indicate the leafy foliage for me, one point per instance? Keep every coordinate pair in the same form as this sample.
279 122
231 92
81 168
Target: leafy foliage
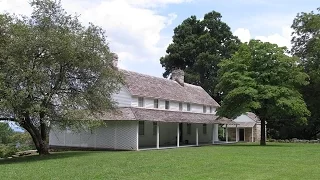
306 45
198 46
5 133
51 66
261 79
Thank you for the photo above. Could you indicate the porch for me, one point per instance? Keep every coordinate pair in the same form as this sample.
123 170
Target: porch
164 135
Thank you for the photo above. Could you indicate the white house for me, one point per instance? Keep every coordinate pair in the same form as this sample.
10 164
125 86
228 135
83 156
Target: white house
152 112
246 129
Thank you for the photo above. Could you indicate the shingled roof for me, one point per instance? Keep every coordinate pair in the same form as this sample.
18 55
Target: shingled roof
253 116
141 114
161 88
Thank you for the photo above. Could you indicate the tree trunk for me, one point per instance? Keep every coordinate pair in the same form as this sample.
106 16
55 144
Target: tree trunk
43 148
39 139
263 133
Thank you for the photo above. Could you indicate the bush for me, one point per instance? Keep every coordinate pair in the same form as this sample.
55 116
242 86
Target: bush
7 151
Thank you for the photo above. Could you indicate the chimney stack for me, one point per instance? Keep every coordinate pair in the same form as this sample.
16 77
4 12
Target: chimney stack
178 75
115 60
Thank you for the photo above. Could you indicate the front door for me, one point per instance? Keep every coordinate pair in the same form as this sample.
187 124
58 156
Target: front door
241 134
181 132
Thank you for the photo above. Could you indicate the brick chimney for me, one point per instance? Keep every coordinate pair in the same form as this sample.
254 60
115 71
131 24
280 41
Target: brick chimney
115 60
178 75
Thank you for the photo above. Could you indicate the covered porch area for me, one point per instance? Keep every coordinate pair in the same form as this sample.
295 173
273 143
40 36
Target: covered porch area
241 132
171 129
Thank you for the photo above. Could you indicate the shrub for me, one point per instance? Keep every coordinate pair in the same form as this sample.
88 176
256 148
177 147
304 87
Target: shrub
7 151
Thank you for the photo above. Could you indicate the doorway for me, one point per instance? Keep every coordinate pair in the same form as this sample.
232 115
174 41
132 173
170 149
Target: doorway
241 134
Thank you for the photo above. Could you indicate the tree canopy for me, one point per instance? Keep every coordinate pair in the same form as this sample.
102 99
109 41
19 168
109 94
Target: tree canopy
198 46
306 45
262 79
50 66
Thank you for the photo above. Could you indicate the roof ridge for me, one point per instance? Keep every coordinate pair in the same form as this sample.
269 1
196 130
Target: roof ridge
162 78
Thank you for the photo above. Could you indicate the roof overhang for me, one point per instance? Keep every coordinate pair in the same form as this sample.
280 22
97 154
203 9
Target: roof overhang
142 114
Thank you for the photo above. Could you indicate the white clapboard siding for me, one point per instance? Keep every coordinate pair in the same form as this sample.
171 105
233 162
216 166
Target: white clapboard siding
148 103
123 98
121 135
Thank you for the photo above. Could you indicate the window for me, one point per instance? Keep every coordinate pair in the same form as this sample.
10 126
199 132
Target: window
188 107
154 128
180 106
167 105
141 127
188 128
210 109
140 102
204 109
204 128
156 103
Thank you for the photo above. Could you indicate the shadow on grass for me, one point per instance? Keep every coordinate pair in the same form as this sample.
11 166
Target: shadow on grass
258 145
33 158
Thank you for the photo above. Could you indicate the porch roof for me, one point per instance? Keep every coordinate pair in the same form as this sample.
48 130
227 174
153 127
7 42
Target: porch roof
141 114
242 125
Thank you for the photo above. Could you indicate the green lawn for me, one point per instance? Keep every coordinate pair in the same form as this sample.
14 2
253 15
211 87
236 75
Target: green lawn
241 161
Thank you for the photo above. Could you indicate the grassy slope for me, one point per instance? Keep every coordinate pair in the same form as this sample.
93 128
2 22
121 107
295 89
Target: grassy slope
242 161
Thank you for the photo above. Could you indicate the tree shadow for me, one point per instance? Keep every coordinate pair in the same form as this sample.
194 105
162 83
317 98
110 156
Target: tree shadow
258 145
36 157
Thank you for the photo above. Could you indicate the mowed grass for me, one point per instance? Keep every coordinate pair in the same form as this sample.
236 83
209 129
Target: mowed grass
240 161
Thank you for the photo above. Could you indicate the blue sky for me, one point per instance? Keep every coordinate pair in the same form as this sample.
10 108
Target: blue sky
140 30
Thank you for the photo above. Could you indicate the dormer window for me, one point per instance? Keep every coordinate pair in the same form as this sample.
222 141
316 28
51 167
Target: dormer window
167 105
204 109
140 102
180 106
188 107
156 103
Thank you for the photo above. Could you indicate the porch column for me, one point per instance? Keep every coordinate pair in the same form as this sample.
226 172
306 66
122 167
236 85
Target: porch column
158 136
237 133
226 132
197 135
178 135
252 134
213 133
216 132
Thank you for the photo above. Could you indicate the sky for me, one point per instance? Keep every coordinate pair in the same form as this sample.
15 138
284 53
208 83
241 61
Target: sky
139 31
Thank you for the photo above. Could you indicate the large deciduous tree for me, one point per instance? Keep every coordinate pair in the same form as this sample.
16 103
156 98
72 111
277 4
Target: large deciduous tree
262 79
306 45
198 46
50 67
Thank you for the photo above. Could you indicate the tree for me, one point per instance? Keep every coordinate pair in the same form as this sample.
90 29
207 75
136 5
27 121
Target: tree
262 79
51 69
5 133
198 46
306 45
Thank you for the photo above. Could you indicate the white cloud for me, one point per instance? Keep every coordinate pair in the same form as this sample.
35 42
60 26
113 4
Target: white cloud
134 27
243 34
281 39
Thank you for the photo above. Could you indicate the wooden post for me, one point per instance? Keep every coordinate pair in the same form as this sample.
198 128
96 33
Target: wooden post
158 136
213 133
252 134
137 136
178 135
216 132
223 133
227 133
237 133
197 135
